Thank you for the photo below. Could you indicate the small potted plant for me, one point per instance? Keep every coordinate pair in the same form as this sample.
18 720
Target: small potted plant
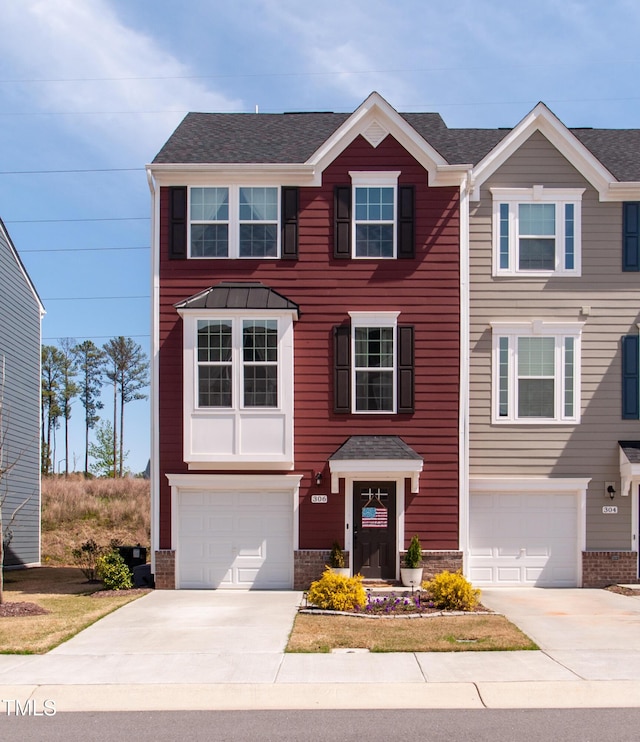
411 572
336 561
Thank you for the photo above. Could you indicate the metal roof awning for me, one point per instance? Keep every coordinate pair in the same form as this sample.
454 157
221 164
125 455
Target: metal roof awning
375 456
239 295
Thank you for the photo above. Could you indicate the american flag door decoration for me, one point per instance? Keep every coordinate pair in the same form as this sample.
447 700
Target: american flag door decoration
374 514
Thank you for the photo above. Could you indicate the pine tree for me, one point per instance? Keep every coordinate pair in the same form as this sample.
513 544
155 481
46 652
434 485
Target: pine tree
127 369
50 403
68 390
90 362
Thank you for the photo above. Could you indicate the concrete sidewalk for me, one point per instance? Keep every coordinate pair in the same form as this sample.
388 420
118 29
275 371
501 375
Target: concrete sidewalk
225 650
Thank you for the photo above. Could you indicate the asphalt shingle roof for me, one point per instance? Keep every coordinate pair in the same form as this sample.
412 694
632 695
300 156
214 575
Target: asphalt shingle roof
359 447
631 450
291 138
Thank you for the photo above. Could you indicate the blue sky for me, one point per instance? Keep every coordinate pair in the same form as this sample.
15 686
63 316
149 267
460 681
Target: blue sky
91 89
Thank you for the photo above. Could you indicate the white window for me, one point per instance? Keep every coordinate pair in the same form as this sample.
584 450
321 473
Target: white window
373 339
234 222
536 372
536 231
238 387
237 363
374 214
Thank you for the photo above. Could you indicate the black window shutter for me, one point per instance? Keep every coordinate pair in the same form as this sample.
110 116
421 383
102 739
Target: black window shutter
342 368
631 236
342 222
630 377
177 223
289 226
406 234
406 368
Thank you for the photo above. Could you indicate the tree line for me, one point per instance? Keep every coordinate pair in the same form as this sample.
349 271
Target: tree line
79 371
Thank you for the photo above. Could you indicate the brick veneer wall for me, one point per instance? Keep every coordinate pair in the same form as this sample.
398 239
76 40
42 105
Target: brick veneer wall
165 574
309 564
434 562
602 568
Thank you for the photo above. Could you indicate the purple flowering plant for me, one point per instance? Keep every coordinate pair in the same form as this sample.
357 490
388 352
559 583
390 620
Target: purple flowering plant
393 604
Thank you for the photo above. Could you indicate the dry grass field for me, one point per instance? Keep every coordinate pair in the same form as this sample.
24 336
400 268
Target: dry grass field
75 509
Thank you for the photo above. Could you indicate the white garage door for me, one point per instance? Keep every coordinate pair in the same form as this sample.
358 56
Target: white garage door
235 540
523 539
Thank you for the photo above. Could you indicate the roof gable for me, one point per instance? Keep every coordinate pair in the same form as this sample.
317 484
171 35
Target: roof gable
5 238
547 123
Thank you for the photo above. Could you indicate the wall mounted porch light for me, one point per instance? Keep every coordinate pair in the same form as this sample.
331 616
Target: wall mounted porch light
318 478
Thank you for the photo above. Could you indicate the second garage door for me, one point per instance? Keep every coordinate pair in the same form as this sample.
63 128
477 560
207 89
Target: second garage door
235 540
523 539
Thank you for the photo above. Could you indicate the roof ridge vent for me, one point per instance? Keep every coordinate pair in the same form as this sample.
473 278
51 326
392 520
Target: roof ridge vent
375 133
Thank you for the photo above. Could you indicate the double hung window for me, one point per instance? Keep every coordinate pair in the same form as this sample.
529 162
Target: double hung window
375 214
234 222
237 363
536 231
536 372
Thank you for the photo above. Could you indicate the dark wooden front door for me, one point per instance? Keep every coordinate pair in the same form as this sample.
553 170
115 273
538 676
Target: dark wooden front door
374 529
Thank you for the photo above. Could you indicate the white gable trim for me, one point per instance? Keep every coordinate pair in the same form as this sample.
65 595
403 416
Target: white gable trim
547 123
376 114
23 270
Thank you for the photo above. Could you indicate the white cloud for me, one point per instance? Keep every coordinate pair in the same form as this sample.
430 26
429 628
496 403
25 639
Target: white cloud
71 40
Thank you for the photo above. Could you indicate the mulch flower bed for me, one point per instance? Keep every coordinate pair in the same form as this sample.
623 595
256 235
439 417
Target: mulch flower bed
8 610
393 605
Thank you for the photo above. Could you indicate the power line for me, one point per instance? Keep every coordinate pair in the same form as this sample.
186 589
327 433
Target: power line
93 298
82 249
100 219
87 170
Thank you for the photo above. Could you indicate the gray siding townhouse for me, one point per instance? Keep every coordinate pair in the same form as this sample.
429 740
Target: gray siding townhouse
21 313
554 435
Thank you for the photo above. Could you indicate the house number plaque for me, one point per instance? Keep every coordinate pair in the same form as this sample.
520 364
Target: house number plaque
319 499
609 509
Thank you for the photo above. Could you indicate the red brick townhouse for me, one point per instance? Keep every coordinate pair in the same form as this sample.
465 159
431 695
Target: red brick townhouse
306 345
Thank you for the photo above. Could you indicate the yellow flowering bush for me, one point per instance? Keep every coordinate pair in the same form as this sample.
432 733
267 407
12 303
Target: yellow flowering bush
452 591
337 593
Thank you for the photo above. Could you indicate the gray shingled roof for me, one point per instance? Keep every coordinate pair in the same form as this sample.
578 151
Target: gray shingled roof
238 295
631 450
291 138
359 447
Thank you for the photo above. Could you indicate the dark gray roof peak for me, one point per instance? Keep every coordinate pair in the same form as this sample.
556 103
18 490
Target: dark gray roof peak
238 295
359 447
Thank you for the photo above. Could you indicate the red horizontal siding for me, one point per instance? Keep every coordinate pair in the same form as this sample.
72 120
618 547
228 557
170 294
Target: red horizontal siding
426 292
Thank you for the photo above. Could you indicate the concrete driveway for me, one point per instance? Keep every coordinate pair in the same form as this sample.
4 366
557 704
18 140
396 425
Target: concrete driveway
593 633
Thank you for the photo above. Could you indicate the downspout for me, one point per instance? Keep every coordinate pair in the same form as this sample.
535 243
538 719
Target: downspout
154 469
463 500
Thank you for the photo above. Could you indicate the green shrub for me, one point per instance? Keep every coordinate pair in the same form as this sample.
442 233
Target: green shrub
452 591
336 558
413 557
113 571
337 593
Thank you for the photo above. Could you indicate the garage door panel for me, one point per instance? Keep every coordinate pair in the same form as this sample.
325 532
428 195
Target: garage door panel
235 539
523 539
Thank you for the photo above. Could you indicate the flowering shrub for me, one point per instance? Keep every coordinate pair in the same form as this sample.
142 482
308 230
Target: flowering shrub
113 571
452 591
337 593
391 604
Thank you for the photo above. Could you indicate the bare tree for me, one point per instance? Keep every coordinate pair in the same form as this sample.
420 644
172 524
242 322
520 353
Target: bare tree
7 463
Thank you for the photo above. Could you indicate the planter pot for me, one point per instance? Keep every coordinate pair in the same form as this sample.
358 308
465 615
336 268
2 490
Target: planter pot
342 571
411 577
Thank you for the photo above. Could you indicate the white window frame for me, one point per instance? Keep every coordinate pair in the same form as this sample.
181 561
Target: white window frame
234 222
374 320
560 197
382 179
234 435
559 331
237 362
